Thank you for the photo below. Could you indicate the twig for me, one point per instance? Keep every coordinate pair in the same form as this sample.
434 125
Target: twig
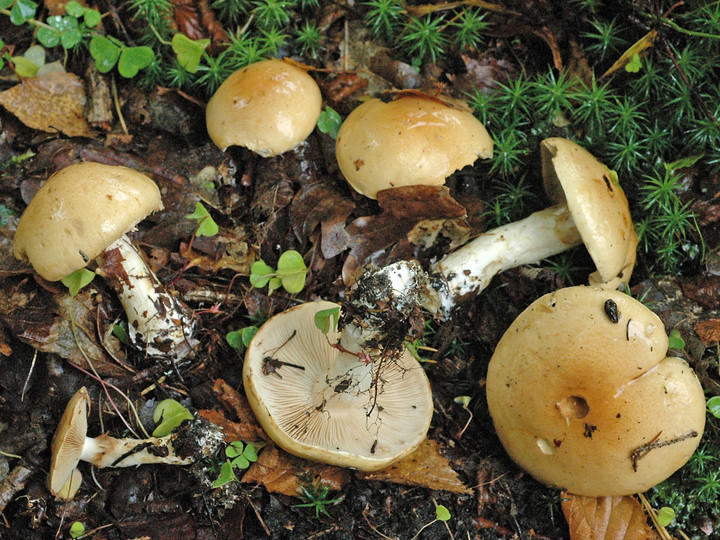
14 482
27 379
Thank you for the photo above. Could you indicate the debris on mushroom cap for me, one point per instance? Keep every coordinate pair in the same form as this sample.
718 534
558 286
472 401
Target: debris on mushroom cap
598 206
583 397
325 405
78 212
412 140
268 107
68 441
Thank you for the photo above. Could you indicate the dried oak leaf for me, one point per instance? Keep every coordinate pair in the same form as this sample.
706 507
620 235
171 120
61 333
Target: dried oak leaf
279 472
425 467
606 518
708 331
52 102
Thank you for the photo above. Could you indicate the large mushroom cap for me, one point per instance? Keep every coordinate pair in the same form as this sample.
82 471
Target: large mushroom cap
597 204
331 411
412 140
78 212
591 405
68 441
269 107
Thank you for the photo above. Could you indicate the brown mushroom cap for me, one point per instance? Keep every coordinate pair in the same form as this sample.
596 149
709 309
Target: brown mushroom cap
268 107
68 441
573 395
330 411
78 212
412 140
597 204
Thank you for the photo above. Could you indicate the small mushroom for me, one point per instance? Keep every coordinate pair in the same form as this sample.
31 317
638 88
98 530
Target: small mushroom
590 208
412 140
70 445
326 405
584 398
268 107
81 214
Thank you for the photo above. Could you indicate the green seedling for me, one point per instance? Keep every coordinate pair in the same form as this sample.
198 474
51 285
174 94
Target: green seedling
290 274
78 279
441 514
327 319
168 415
464 401
315 493
329 122
120 331
665 516
188 51
675 340
240 339
77 529
206 225
240 456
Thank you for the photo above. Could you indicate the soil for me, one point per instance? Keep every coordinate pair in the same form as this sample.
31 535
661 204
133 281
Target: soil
264 206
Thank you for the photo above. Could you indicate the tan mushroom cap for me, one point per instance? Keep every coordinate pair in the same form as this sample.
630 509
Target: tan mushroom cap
68 441
268 107
79 212
412 140
71 486
573 394
598 207
327 412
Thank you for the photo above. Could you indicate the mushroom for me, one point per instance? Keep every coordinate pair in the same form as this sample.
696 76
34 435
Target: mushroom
268 107
584 398
412 140
68 491
70 445
326 405
82 214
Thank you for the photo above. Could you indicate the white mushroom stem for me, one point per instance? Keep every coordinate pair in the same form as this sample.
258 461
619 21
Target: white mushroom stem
106 451
398 288
157 320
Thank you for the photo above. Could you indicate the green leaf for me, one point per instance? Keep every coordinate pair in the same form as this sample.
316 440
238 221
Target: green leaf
74 9
682 163
327 319
675 340
76 280
234 449
105 53
634 64
22 11
442 513
24 67
665 516
275 284
133 59
120 331
92 17
206 224
260 274
713 405
329 122
48 37
226 475
169 414
240 339
4 4
240 462
188 51
77 529
292 271
250 453
463 400
70 38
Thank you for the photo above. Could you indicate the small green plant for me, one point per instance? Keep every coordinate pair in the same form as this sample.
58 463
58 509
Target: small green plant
168 415
327 319
290 273
383 17
78 279
424 39
206 225
441 514
665 516
675 340
77 529
315 494
329 122
240 339
713 406
309 38
240 455
464 401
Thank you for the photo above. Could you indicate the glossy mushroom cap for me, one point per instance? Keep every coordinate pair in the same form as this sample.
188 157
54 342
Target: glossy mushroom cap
268 107
598 207
583 397
412 140
68 441
78 212
325 407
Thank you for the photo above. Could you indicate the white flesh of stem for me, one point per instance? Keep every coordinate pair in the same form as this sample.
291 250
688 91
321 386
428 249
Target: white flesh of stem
106 451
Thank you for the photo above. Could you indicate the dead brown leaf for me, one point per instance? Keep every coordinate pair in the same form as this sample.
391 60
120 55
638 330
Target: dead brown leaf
708 331
704 289
606 518
426 467
420 202
279 472
57 7
52 102
236 404
232 431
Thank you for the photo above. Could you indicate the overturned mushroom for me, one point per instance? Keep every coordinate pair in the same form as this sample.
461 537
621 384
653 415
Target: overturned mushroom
412 140
326 405
70 445
583 397
82 214
268 107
